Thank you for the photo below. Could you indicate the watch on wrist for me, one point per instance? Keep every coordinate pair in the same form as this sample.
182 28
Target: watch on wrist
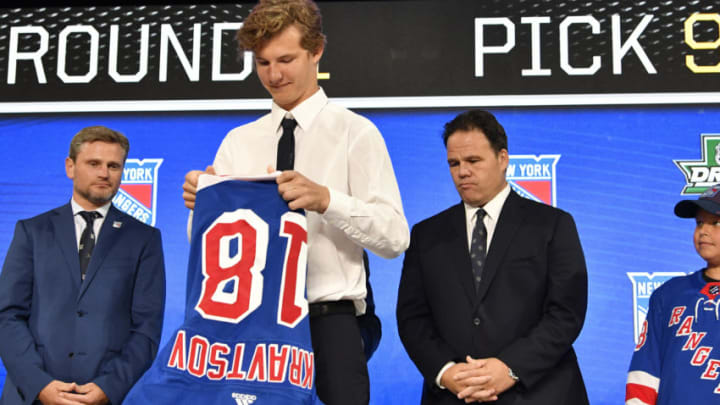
513 375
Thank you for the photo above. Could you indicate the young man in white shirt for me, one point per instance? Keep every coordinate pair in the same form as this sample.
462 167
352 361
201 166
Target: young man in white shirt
341 176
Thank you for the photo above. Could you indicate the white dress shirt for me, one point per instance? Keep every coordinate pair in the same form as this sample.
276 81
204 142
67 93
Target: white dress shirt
80 222
345 152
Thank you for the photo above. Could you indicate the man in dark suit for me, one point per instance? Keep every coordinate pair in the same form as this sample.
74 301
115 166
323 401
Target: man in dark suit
493 290
82 290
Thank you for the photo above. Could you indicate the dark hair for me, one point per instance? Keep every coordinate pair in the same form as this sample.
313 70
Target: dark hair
97 133
480 120
270 17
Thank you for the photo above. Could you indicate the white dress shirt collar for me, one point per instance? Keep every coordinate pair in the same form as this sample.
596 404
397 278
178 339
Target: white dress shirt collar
76 208
80 222
492 208
304 113
492 214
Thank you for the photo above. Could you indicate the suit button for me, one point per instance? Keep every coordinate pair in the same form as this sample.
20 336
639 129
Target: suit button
71 355
80 314
476 321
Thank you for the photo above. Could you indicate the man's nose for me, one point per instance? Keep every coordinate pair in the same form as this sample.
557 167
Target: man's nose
464 170
274 74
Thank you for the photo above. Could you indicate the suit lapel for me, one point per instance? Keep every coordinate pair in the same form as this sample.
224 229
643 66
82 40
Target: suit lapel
458 255
64 233
511 217
109 232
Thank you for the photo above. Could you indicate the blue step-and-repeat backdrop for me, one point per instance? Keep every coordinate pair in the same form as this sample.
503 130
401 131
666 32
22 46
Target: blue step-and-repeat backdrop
611 115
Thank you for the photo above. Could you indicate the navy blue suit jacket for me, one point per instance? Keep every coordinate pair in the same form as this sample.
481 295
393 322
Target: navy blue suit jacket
105 329
528 310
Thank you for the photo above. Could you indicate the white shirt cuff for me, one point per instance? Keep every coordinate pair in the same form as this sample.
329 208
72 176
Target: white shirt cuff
339 207
442 371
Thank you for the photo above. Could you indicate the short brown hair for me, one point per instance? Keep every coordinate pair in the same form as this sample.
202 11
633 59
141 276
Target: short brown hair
97 133
270 17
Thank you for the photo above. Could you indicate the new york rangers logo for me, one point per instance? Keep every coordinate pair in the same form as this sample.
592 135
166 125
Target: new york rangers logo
533 177
644 284
138 190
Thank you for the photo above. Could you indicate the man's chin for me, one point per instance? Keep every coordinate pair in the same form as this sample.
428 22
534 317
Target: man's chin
101 199
470 200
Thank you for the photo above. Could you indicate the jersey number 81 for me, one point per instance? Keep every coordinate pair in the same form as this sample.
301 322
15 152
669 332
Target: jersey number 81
244 268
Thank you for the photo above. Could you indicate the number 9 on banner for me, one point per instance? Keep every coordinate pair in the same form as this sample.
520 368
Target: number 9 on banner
695 45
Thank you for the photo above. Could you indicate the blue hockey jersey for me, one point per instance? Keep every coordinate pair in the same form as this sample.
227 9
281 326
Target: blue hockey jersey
677 357
245 338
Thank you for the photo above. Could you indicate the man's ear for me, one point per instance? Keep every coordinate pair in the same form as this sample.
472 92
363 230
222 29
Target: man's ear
504 158
70 168
317 54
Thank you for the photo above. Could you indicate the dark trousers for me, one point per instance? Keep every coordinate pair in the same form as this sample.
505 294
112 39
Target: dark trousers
341 375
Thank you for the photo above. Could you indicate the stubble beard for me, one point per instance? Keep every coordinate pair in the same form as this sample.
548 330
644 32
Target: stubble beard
97 199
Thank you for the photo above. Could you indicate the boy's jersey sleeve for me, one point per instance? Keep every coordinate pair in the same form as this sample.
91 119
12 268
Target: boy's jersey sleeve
643 380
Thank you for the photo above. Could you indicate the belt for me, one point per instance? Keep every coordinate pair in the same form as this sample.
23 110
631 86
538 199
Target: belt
332 308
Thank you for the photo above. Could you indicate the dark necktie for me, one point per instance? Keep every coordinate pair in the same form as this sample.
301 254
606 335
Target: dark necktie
87 240
286 145
478 247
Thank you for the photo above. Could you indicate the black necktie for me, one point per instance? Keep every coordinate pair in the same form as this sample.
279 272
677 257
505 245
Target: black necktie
87 240
478 247
286 145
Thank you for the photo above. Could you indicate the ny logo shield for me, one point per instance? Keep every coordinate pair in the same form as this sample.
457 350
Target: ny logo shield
644 284
137 195
533 177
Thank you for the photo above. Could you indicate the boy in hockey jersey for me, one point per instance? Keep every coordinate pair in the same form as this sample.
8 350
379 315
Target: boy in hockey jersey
676 360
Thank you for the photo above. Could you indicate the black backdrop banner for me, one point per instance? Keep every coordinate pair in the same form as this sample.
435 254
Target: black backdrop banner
619 166
375 49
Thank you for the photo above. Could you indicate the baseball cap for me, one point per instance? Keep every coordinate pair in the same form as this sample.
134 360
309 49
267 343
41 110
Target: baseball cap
708 201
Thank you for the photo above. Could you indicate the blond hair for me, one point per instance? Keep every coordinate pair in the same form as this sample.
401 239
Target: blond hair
97 133
270 17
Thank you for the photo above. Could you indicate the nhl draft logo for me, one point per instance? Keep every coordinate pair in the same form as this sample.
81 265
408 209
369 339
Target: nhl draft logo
138 189
703 173
644 284
533 177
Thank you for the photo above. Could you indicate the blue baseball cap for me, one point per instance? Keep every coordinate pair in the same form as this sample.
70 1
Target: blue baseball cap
708 201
